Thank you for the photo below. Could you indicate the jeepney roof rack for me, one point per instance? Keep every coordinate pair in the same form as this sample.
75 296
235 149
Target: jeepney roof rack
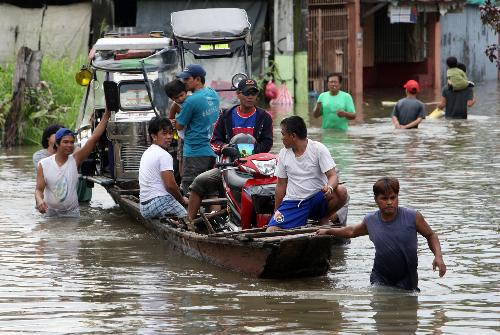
135 43
210 24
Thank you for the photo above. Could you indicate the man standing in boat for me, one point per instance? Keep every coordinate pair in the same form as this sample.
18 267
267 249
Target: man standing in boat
197 118
159 193
308 186
244 118
393 230
57 175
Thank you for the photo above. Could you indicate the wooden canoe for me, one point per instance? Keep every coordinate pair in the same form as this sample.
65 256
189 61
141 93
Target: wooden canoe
283 254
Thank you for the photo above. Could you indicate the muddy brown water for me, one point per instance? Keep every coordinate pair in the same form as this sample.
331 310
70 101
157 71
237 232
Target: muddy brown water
104 274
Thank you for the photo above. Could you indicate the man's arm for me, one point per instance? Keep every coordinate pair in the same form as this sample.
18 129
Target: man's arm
332 183
86 150
265 141
350 112
395 121
218 140
171 186
317 109
41 206
280 192
472 98
433 242
412 124
347 232
347 115
442 103
184 117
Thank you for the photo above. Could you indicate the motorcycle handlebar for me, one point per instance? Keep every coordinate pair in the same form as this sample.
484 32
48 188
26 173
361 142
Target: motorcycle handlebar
225 164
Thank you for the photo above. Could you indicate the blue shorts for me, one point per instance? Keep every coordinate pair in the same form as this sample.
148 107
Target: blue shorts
162 206
295 213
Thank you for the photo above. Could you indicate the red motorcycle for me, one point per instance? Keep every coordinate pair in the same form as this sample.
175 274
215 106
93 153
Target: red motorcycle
249 182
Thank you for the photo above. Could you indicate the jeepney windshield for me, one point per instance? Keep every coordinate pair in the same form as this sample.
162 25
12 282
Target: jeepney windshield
134 96
221 61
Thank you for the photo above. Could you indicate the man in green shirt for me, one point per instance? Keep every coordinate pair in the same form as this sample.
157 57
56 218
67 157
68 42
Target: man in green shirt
336 106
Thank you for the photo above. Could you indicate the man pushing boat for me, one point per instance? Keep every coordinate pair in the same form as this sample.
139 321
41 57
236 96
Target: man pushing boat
308 186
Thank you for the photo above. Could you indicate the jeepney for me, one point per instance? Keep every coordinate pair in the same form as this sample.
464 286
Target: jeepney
141 66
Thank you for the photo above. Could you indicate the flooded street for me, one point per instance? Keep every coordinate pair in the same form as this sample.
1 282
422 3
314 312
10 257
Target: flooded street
104 273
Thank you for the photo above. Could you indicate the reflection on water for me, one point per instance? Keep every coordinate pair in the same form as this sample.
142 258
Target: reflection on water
105 274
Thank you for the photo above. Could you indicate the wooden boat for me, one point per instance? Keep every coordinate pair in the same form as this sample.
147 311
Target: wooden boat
283 254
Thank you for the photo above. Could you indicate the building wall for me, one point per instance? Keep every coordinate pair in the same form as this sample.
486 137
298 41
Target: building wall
58 31
465 37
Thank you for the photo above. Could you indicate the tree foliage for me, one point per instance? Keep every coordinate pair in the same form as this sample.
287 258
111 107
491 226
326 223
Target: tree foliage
490 16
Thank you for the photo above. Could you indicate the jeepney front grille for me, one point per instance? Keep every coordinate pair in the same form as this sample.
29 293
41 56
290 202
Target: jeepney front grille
131 157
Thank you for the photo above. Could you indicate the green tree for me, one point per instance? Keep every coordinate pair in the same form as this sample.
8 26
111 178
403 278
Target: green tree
490 16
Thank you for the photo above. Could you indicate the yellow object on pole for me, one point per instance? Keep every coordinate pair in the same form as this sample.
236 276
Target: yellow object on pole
436 114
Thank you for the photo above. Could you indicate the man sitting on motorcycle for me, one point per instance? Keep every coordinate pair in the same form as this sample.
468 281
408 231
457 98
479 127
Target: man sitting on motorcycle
243 118
308 185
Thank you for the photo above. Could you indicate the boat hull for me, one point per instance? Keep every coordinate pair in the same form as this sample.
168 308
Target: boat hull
287 254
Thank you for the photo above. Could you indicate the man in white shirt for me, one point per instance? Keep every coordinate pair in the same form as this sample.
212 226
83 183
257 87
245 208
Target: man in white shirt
159 193
57 175
307 185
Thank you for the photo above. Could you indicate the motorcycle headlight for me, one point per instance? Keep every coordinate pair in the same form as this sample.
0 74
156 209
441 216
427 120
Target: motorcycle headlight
266 168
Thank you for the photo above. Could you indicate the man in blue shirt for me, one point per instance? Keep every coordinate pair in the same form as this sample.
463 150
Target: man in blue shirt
197 118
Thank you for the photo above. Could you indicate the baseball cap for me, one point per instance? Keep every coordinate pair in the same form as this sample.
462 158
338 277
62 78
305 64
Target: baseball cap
64 132
412 86
192 70
246 85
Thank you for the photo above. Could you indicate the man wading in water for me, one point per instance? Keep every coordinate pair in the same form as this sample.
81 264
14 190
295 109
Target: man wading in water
57 175
393 230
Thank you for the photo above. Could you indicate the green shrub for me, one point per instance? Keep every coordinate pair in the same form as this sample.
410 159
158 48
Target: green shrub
56 100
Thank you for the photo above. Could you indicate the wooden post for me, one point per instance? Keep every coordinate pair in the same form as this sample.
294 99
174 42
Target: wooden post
27 74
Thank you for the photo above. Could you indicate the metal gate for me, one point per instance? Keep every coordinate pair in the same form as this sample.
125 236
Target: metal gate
327 42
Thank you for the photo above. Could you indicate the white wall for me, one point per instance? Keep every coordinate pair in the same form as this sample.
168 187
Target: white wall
59 31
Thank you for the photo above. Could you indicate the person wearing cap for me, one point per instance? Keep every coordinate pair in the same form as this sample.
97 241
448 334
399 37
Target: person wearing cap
456 103
335 106
197 118
243 118
409 112
57 175
48 141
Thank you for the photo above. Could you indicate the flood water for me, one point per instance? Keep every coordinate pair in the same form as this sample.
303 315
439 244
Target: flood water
103 273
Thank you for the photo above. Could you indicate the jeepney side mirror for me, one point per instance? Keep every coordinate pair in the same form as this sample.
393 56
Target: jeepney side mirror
237 78
84 76
111 95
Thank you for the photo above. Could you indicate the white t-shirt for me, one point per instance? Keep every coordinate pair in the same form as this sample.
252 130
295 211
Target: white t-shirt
153 161
306 174
61 182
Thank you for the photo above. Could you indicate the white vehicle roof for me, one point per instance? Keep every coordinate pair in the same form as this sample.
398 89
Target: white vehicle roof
136 43
210 24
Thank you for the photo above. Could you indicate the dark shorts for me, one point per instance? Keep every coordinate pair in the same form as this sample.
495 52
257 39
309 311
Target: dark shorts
208 183
295 213
192 167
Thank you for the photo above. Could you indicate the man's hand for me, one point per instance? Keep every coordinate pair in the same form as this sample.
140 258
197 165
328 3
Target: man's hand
185 201
439 263
278 217
323 231
42 207
328 190
341 113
